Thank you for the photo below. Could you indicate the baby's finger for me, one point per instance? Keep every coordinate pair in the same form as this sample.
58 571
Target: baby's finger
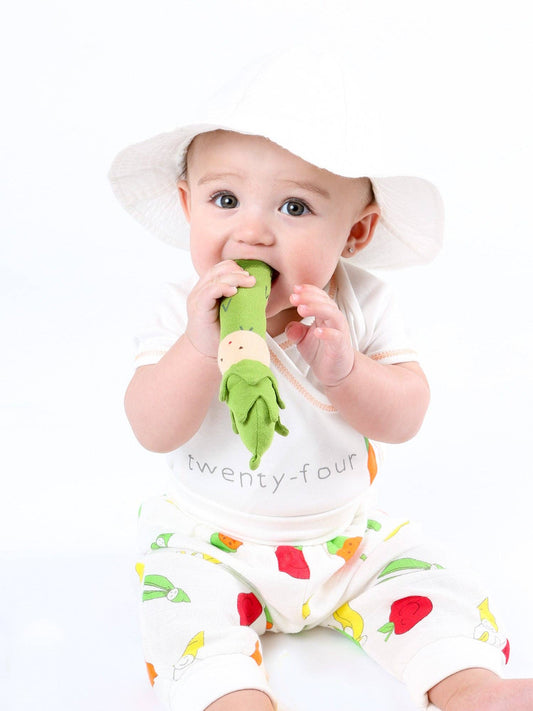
235 280
325 311
229 272
330 335
309 291
310 296
224 279
211 291
296 331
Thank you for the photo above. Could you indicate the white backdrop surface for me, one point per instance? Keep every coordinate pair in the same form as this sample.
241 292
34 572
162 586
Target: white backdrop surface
80 81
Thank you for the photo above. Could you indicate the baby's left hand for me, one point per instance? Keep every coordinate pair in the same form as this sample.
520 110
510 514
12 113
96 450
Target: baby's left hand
325 344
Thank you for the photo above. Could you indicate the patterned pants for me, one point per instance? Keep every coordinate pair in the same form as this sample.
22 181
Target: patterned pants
207 598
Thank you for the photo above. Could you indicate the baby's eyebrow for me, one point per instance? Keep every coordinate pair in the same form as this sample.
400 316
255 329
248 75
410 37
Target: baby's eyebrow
214 177
302 184
311 187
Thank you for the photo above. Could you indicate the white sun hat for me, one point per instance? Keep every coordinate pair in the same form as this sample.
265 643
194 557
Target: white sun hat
319 109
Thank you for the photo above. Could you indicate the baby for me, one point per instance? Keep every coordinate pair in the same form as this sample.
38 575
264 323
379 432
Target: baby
229 553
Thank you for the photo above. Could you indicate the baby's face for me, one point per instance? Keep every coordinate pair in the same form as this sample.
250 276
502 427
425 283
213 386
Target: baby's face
246 197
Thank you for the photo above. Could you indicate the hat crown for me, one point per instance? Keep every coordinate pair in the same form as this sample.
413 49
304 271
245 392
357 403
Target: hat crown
296 99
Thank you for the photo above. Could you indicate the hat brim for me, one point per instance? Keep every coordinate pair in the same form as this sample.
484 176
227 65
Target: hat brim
144 179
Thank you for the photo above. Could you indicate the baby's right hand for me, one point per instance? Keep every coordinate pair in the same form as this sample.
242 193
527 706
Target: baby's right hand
222 280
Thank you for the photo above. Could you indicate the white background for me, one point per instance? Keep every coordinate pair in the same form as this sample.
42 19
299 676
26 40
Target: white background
81 81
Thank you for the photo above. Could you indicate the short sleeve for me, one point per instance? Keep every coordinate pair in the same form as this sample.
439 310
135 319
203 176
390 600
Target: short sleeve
163 328
376 321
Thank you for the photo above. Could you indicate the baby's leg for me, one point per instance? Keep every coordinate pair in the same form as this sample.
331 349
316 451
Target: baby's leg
421 618
245 700
482 689
201 627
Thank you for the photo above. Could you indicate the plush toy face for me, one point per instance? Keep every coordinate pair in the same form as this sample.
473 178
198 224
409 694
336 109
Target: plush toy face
241 345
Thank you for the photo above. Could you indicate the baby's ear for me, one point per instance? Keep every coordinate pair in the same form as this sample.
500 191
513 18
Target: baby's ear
363 230
185 198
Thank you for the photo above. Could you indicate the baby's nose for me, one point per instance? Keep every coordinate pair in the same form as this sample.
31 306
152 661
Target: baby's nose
254 230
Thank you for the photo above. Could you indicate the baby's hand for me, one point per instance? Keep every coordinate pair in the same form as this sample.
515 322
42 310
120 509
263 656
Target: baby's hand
222 280
326 343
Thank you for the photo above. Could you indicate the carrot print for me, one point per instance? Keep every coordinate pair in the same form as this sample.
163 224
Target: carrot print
225 543
344 547
371 460
152 674
256 656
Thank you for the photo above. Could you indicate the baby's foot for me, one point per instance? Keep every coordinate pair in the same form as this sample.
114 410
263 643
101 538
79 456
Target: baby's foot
498 695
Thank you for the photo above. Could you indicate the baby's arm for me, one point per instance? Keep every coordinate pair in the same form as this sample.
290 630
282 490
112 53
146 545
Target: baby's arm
166 402
384 402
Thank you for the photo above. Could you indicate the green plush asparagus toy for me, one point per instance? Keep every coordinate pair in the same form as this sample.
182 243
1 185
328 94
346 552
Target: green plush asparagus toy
248 385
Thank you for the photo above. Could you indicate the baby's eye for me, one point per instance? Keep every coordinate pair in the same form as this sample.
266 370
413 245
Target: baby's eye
225 200
296 208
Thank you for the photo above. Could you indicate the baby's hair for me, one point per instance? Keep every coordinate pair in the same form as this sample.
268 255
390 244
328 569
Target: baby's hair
183 175
371 197
184 171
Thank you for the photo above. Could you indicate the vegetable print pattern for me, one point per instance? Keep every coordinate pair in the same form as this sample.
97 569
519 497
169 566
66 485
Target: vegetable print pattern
158 586
405 614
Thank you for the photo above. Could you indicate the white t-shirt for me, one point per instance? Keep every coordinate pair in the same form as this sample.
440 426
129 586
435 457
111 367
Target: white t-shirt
310 484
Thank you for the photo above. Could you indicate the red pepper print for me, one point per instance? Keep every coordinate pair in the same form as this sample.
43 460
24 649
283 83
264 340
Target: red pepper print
291 561
249 608
405 614
506 651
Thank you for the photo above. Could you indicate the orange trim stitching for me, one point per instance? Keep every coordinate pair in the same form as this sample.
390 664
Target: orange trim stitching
388 354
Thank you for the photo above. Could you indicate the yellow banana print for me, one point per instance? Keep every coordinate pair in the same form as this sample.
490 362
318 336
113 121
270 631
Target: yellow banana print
191 650
487 630
396 530
139 568
351 619
486 614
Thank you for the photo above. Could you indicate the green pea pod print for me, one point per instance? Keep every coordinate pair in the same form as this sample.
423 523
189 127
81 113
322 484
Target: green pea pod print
401 564
164 588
